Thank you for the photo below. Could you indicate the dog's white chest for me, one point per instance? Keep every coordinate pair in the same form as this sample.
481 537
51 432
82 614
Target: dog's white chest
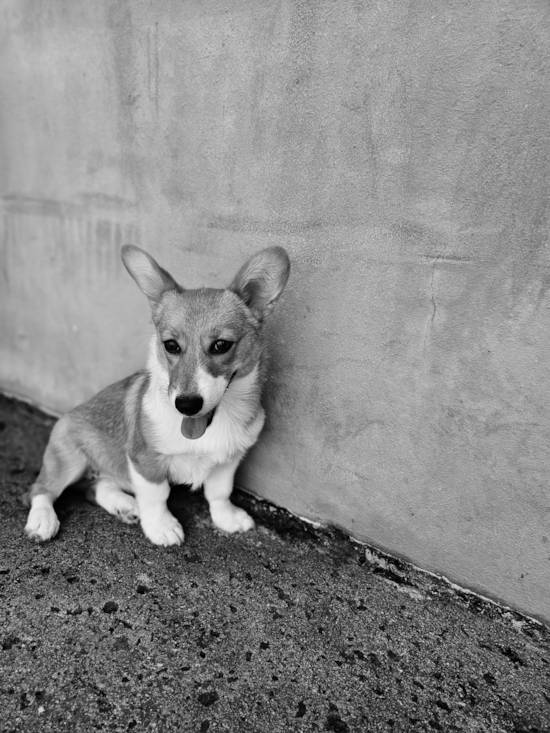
189 469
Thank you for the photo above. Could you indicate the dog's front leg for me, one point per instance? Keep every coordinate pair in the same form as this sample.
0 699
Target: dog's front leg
158 523
217 489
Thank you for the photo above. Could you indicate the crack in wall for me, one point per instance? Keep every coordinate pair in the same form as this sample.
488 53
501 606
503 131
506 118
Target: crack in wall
431 320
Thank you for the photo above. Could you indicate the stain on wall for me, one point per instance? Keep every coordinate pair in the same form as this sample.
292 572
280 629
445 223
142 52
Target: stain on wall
399 151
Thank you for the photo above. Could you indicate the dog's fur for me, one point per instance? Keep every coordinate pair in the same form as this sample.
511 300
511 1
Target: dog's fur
188 418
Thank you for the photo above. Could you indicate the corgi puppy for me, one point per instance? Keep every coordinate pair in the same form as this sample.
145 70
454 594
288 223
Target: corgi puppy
187 418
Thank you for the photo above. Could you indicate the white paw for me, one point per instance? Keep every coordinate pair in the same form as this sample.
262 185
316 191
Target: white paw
126 509
42 523
162 529
230 518
121 505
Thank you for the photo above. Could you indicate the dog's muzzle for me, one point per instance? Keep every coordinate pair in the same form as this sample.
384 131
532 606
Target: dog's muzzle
194 427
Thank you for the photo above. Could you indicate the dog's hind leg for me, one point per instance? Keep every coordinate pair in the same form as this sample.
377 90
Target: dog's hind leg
63 464
106 493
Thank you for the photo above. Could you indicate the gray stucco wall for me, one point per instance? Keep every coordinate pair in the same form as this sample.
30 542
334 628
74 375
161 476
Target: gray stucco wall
399 151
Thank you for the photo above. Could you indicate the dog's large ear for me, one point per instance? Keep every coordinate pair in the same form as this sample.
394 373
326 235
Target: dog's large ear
149 275
262 279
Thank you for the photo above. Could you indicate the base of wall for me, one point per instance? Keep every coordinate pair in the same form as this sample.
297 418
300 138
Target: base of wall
417 583
28 401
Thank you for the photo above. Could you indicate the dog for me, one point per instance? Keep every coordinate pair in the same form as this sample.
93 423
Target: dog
187 418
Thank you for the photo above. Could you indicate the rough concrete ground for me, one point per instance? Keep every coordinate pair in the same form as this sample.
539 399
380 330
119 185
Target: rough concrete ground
282 629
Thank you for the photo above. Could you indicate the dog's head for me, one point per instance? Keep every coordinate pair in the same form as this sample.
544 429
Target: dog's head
207 337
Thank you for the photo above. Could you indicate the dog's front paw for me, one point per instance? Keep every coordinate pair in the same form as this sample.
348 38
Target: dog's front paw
42 523
162 529
230 518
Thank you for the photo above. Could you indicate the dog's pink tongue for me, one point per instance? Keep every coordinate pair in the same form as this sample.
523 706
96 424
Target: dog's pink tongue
194 427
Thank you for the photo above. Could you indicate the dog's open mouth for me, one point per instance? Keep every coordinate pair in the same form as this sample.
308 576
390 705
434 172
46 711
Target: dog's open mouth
194 427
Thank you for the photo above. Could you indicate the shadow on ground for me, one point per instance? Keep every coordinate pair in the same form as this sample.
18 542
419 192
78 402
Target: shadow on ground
282 629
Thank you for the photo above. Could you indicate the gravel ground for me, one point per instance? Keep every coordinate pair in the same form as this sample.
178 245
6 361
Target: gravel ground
283 629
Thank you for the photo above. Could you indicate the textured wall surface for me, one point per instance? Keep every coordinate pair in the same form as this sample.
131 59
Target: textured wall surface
399 151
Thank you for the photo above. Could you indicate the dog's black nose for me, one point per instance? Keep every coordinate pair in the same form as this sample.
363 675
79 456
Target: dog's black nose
189 404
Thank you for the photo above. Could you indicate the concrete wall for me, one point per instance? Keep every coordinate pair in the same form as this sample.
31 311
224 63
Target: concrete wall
399 151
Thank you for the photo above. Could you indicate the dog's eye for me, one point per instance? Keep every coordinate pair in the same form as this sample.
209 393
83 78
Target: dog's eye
172 346
221 346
